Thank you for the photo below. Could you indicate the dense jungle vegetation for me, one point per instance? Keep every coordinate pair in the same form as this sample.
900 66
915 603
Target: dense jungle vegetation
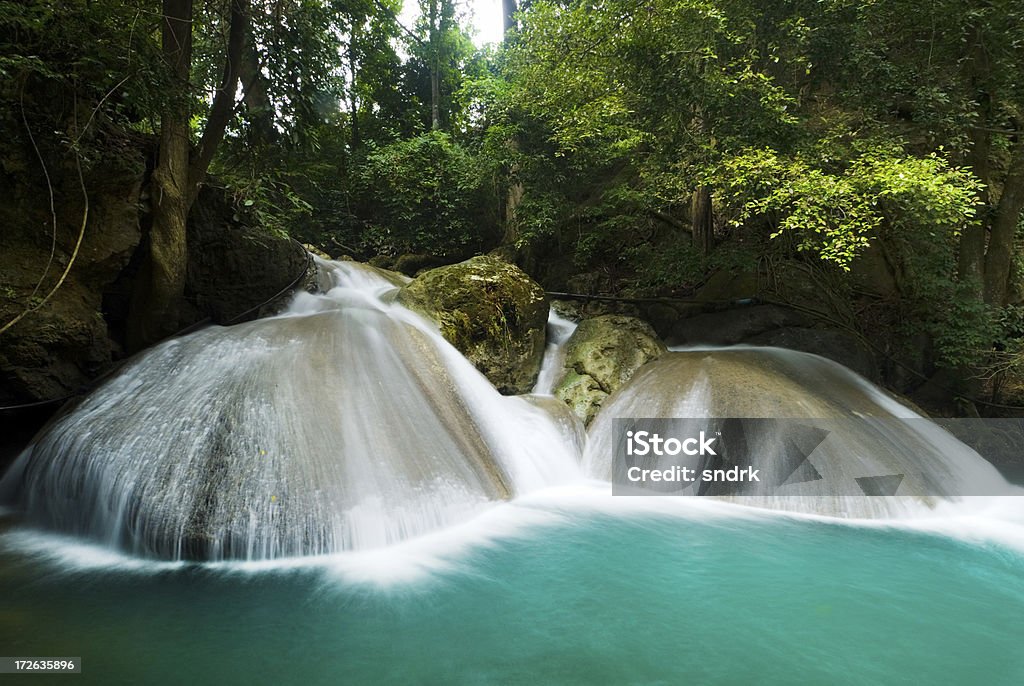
864 156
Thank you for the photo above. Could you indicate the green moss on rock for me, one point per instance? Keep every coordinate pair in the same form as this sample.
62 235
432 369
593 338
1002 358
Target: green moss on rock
491 311
602 354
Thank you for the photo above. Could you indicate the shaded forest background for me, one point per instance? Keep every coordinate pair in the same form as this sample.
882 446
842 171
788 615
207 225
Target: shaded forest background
857 162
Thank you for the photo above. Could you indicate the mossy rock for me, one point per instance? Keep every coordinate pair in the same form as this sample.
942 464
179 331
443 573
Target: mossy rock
582 394
491 311
382 261
727 285
412 264
602 354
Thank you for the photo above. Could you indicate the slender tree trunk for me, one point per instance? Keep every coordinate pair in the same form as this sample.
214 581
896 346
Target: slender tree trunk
223 106
435 97
702 220
1005 220
513 198
435 64
514 194
353 101
971 256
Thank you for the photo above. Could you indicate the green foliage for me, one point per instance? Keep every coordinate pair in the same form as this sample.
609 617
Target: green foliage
269 203
668 267
70 69
426 194
820 128
962 328
835 213
915 207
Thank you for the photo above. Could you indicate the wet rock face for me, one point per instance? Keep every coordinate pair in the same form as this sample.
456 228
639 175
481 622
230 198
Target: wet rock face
64 343
233 267
838 346
602 354
491 311
75 335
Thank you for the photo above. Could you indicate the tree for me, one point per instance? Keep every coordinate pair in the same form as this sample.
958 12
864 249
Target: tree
946 73
653 87
447 56
181 167
762 120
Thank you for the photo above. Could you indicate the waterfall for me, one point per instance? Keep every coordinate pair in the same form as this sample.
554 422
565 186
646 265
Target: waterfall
346 422
558 332
869 434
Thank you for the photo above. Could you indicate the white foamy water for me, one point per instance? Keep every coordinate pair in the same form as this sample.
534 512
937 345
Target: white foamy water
558 332
347 435
345 423
980 521
867 433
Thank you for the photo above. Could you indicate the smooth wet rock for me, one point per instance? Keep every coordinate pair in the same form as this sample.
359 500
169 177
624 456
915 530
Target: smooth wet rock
491 311
838 346
602 354
736 325
65 342
313 250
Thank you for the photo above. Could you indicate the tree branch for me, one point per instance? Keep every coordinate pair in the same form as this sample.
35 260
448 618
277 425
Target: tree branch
224 100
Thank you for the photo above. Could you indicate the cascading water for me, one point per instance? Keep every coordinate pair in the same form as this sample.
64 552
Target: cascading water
345 423
558 333
878 436
348 423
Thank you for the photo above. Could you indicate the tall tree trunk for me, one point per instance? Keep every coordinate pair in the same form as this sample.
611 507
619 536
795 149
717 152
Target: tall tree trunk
702 220
971 254
435 66
156 301
1005 220
353 101
179 173
259 110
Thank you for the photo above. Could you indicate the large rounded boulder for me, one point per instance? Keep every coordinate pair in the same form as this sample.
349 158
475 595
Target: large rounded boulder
600 356
491 311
